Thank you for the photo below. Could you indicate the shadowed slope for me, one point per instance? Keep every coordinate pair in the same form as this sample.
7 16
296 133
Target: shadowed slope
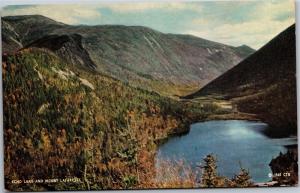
264 83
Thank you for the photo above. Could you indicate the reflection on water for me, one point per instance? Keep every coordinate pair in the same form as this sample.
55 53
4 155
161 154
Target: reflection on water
233 142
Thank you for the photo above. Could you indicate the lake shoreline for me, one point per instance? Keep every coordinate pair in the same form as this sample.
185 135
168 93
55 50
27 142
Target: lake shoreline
182 131
233 116
236 134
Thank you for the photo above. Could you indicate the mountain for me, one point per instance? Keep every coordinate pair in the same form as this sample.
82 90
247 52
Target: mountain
79 123
138 55
263 84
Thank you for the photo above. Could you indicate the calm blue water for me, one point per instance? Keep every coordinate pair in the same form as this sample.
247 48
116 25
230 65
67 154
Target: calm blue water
233 142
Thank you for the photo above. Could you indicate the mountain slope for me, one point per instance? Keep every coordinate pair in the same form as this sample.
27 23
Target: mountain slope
133 54
264 83
22 30
80 125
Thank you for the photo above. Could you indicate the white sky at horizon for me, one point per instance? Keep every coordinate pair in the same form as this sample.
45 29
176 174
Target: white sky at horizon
251 22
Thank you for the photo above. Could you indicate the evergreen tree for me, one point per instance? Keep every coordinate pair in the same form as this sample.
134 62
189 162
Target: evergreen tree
243 179
209 176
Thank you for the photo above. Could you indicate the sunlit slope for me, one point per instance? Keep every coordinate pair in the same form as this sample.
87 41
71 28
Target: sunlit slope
61 121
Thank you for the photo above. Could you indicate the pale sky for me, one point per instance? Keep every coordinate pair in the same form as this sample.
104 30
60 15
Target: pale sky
252 22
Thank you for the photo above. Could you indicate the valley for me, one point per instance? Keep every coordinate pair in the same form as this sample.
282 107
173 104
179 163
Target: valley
266 79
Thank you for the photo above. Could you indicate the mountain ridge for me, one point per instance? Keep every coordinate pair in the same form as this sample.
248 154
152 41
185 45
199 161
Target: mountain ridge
119 51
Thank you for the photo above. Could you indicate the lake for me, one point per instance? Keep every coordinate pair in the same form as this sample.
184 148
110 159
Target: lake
234 142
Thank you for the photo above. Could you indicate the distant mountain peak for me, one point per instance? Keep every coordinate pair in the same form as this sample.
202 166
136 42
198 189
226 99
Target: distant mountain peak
244 46
31 18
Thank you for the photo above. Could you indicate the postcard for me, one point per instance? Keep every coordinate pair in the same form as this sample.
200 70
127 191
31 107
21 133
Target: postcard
149 95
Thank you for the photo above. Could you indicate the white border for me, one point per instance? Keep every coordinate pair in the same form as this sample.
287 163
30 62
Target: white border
245 190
